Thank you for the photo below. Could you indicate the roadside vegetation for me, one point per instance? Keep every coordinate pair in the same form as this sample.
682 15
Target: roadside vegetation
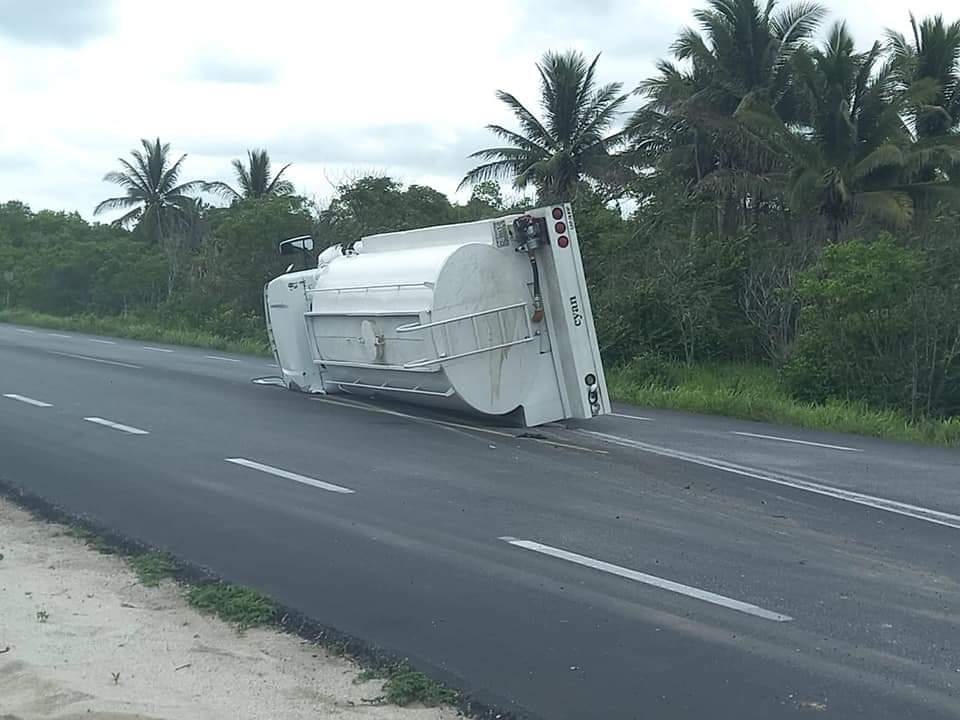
753 392
246 608
790 251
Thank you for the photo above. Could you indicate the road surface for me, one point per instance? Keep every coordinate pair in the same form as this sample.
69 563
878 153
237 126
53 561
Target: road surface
644 565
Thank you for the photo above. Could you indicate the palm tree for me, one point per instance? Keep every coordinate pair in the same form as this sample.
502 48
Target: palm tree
155 203
255 179
929 69
744 52
856 153
739 61
570 143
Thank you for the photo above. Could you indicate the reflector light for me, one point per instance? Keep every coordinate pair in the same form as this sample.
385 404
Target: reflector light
563 241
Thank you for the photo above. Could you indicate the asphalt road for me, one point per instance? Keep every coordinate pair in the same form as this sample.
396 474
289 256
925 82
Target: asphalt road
644 565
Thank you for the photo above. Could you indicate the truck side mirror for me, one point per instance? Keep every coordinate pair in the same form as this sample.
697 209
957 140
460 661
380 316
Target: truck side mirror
302 244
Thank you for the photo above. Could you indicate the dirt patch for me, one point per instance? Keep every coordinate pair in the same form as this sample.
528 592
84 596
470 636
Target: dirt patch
87 640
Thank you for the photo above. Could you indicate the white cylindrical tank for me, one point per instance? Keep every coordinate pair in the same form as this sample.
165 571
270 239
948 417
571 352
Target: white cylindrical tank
446 324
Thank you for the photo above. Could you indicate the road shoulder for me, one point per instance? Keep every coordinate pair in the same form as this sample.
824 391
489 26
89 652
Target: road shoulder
81 636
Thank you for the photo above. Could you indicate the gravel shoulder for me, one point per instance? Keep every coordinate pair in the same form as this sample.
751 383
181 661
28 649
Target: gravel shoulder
80 637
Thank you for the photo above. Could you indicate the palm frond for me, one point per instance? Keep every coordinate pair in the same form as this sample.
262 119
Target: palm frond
491 171
221 189
169 175
529 123
186 188
517 139
797 22
888 206
278 186
128 218
115 203
690 45
885 156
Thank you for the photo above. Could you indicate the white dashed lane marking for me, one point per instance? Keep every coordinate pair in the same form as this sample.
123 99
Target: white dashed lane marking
652 580
117 426
287 475
28 401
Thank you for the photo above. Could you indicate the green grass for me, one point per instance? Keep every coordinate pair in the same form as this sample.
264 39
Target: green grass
405 687
91 540
753 393
243 606
152 567
136 329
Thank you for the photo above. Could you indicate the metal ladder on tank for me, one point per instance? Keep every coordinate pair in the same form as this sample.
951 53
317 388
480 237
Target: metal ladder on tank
445 325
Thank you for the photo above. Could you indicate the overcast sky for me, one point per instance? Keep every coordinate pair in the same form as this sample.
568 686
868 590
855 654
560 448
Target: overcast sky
336 88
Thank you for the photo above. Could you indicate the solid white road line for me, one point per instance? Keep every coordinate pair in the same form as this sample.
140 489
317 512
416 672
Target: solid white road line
28 401
60 335
117 426
222 359
102 342
291 476
937 517
796 442
24 330
662 583
96 360
631 417
153 349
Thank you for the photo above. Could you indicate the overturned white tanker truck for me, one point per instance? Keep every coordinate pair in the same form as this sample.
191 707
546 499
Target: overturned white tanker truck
488 317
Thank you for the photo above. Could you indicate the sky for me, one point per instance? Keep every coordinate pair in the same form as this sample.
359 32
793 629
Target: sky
339 89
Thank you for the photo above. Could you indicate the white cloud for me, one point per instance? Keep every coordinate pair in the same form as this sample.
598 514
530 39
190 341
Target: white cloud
399 87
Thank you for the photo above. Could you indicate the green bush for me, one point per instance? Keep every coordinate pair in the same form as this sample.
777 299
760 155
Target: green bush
878 325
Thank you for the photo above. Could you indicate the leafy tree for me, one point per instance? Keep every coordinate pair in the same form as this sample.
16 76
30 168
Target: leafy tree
255 179
240 256
878 325
570 143
371 205
155 202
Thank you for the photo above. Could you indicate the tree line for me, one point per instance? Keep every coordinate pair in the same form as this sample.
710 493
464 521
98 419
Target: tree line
779 195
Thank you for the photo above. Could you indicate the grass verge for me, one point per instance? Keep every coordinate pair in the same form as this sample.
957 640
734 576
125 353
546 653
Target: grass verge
753 393
152 567
247 608
242 606
137 329
405 686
